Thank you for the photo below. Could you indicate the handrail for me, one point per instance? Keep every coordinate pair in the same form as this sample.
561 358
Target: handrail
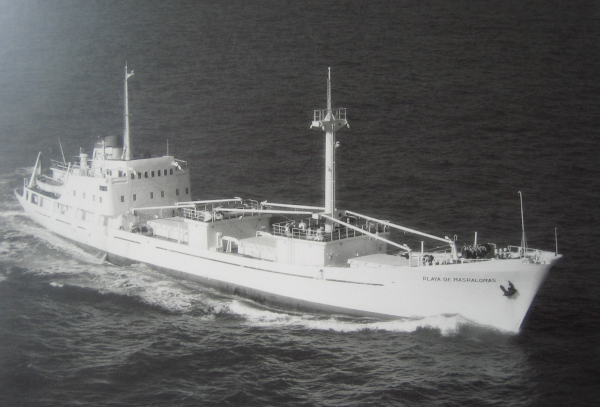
58 165
338 113
318 235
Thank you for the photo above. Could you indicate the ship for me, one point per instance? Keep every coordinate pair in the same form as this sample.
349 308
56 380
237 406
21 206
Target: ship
320 259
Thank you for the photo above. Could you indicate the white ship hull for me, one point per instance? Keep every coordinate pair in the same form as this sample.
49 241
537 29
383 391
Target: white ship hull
314 258
471 290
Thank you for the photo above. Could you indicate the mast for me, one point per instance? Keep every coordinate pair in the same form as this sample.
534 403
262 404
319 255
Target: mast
126 140
523 239
329 120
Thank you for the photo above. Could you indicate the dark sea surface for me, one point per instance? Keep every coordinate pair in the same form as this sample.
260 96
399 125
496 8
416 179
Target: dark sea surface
454 107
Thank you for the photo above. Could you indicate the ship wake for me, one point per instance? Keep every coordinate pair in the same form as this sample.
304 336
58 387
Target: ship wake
259 317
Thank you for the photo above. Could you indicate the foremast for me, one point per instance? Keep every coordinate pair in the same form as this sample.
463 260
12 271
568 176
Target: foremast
126 140
329 120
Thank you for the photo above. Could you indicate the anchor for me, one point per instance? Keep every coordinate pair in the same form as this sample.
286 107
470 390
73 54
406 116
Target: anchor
510 291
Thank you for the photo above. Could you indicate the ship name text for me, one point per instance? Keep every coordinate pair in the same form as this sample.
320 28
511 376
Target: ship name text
460 279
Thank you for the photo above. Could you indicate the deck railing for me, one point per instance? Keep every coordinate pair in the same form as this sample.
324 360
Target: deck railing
338 113
210 211
59 165
306 232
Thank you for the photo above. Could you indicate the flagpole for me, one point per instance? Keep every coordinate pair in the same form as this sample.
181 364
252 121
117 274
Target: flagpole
126 140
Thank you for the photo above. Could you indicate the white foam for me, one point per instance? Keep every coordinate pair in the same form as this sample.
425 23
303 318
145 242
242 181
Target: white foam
447 325
152 287
11 214
53 241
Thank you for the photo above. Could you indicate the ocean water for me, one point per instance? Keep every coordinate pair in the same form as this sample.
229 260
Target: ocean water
454 108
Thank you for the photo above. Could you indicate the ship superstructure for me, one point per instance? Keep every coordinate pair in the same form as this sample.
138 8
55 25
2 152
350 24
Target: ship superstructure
305 257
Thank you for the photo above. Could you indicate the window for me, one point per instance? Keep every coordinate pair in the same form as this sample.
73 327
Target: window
162 194
102 188
93 198
84 195
151 195
134 197
139 175
122 198
171 171
152 172
100 199
187 191
120 173
165 173
133 175
75 192
176 192
158 173
146 174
